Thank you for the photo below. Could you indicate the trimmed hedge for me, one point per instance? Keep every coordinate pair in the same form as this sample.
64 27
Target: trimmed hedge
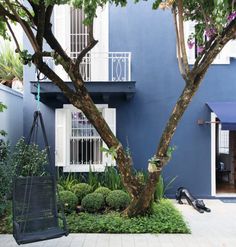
69 200
118 199
103 190
93 202
81 190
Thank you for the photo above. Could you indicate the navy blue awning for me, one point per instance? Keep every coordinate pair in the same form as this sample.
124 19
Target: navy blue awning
226 112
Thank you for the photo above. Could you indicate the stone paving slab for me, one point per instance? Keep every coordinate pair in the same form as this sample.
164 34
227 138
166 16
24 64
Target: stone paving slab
215 229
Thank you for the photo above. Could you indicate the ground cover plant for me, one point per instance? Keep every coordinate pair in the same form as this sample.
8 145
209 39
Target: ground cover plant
164 218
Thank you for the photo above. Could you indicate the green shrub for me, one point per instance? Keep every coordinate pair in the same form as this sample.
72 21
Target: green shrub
6 175
68 200
118 199
103 190
81 190
93 202
29 159
60 188
68 181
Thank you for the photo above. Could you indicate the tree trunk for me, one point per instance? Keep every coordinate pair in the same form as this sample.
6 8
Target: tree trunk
140 205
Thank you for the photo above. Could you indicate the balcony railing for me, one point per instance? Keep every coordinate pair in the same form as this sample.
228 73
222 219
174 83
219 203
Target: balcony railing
103 66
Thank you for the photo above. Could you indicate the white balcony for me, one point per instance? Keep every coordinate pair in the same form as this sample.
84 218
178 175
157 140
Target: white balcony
102 66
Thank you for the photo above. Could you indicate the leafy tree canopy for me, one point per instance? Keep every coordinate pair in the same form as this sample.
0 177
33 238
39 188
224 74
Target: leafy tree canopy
211 17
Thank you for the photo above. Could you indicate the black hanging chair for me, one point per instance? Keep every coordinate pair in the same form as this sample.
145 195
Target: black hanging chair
35 200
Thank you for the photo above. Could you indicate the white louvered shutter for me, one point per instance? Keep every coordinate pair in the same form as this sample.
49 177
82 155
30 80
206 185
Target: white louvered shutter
99 59
62 33
61 137
109 115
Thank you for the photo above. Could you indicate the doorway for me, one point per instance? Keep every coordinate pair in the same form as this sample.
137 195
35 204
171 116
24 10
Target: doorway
223 159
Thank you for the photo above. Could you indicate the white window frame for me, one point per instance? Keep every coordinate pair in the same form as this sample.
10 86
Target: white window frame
62 140
229 51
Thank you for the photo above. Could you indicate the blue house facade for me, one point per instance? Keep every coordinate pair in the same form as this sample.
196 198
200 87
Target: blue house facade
142 83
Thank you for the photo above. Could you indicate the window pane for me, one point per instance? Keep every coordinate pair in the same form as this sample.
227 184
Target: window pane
85 142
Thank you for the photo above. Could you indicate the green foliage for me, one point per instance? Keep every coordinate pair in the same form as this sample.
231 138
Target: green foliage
93 202
25 57
6 175
93 179
103 190
162 187
29 160
67 182
6 218
69 200
118 199
164 219
2 108
10 64
111 151
81 190
112 179
214 15
60 188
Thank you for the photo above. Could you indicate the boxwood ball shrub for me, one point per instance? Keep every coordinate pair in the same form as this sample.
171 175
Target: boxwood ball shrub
69 200
81 190
103 190
118 199
93 202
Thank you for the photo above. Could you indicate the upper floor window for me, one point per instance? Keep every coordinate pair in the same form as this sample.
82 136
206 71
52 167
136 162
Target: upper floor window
72 34
77 143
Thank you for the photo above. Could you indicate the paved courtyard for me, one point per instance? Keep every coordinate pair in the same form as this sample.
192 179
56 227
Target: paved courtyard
214 229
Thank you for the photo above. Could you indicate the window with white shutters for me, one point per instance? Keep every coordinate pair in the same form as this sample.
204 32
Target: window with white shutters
229 51
78 144
73 37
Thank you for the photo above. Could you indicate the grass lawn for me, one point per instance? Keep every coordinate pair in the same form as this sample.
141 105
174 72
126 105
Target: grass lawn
165 218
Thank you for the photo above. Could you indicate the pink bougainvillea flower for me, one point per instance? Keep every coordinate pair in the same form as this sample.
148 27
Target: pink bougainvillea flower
209 32
190 43
200 49
231 16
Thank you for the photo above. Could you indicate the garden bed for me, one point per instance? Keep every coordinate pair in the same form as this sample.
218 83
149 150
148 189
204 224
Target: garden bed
165 218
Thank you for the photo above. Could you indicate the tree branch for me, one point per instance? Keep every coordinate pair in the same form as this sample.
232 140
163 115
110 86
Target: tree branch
49 73
181 37
92 42
210 54
26 10
178 44
13 35
40 24
25 27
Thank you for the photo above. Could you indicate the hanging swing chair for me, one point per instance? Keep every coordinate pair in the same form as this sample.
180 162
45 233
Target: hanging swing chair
36 216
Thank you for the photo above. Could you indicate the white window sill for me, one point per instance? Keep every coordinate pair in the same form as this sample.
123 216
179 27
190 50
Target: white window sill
84 168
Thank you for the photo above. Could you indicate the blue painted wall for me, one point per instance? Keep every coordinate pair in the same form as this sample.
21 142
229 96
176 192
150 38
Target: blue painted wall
11 119
150 36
